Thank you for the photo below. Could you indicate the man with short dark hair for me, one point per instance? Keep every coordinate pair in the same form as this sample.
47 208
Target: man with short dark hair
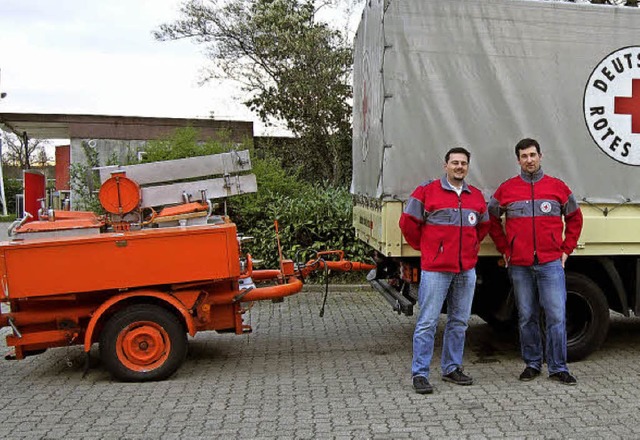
535 252
445 220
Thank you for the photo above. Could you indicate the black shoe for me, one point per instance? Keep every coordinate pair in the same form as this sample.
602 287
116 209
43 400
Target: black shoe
528 374
564 378
458 377
422 385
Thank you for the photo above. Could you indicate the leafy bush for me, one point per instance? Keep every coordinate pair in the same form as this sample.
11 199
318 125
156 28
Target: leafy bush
249 209
12 187
85 182
311 218
183 143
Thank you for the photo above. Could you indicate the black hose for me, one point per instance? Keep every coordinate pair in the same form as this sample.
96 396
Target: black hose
326 287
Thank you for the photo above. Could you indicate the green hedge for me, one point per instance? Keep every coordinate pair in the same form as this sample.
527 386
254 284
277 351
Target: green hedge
311 218
316 220
11 188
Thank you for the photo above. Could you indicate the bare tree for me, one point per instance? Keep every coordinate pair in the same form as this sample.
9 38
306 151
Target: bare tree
14 151
41 156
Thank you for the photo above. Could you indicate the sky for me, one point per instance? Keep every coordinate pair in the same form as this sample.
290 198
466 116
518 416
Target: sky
99 57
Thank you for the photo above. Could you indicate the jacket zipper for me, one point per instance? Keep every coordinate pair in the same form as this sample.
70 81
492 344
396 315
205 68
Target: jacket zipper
511 249
533 219
440 251
460 250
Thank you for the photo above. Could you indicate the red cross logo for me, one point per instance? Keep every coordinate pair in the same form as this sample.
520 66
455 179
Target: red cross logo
630 106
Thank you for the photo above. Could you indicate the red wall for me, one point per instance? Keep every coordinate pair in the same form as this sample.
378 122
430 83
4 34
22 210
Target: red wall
63 161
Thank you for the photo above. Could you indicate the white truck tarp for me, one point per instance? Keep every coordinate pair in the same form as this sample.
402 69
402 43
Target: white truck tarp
433 74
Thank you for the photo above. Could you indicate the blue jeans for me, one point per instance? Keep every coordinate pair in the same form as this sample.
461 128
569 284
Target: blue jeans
535 287
436 287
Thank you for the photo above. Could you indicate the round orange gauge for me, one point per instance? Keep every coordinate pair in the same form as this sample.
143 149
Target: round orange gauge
119 194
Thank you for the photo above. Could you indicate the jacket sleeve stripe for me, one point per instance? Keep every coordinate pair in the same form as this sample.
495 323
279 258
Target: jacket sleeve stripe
494 207
571 206
415 208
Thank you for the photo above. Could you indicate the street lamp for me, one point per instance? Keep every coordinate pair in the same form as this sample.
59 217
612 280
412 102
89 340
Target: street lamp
3 198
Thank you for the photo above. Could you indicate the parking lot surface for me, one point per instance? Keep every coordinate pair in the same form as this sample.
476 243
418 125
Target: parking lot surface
343 376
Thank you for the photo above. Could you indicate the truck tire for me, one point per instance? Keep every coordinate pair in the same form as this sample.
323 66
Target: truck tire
143 342
587 316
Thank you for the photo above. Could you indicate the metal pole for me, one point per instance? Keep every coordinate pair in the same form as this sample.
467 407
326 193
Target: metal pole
4 199
2 196
25 139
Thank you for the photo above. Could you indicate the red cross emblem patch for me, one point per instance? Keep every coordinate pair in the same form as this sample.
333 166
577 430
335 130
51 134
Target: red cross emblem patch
612 105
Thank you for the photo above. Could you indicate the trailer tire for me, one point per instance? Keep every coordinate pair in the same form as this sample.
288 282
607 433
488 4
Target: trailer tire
143 342
587 316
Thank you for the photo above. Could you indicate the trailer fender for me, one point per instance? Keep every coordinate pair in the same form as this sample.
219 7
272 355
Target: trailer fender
104 307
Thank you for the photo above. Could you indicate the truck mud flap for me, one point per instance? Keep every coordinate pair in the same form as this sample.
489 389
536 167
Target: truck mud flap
399 303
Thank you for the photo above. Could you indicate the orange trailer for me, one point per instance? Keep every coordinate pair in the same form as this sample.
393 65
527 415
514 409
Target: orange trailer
136 289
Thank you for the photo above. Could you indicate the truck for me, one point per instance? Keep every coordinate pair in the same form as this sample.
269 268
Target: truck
159 265
430 75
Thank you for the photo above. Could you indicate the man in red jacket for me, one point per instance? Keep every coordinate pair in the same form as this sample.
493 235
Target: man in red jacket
445 220
535 251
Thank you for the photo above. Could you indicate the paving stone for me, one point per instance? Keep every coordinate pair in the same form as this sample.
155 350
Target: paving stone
346 375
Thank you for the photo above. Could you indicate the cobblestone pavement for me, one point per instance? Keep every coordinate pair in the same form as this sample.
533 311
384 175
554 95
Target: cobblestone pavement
343 376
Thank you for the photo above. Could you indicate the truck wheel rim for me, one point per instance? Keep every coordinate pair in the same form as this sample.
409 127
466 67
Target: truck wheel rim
143 346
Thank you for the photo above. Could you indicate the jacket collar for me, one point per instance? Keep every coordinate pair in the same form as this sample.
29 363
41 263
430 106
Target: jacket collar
447 186
532 178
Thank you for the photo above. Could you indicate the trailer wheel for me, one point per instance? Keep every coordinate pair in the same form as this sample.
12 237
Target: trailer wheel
587 316
143 342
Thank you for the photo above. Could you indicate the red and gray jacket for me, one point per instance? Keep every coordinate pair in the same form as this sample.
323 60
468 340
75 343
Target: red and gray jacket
446 228
534 205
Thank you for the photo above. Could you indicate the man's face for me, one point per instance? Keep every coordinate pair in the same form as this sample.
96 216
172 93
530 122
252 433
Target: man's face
457 167
529 160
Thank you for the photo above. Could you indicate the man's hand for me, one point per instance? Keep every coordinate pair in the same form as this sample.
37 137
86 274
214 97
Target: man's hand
564 259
